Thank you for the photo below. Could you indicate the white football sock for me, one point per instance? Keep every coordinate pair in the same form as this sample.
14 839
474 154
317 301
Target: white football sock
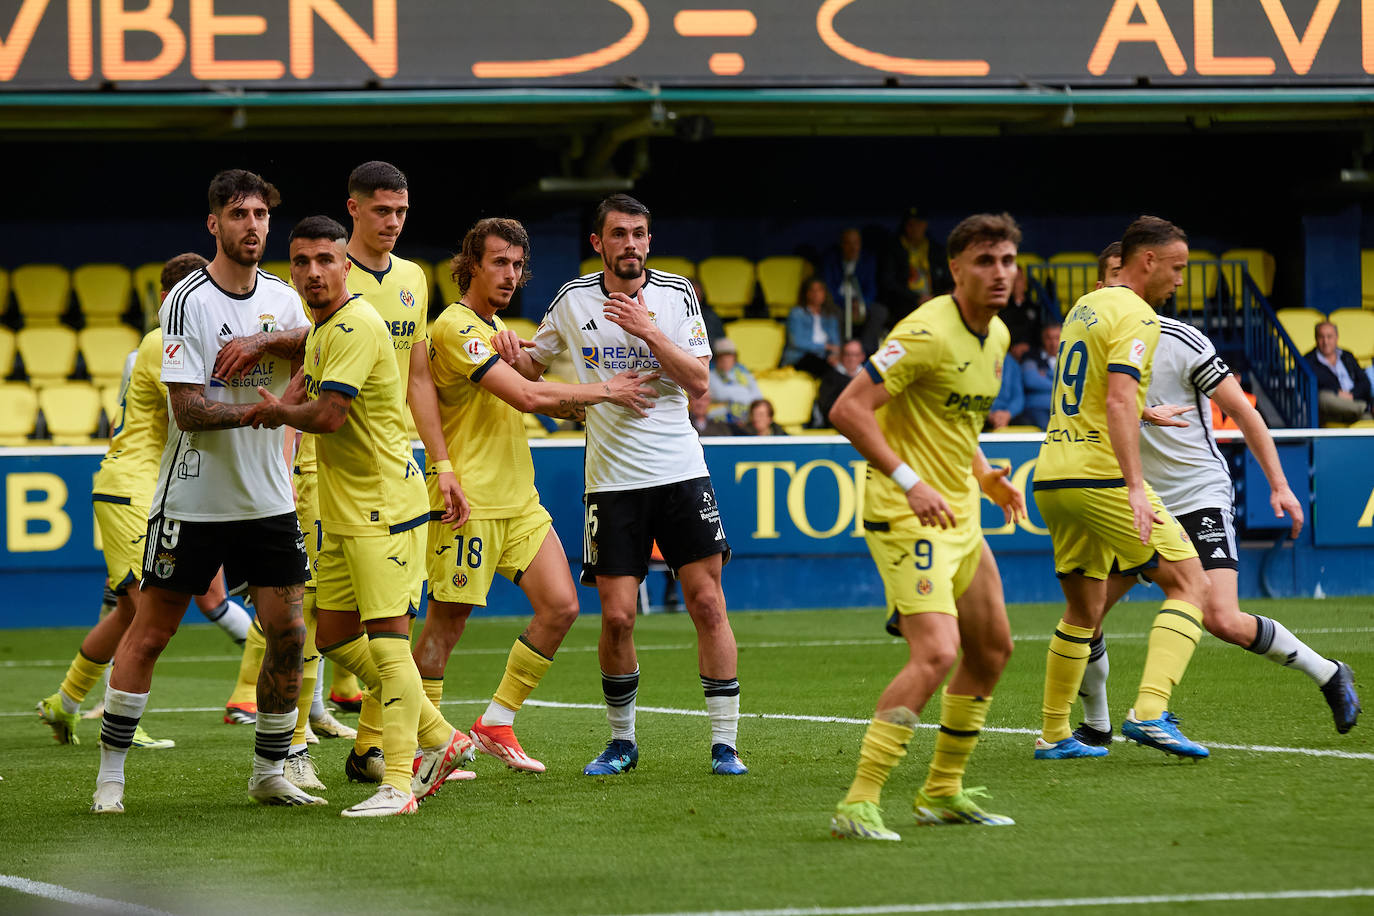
1274 641
1093 690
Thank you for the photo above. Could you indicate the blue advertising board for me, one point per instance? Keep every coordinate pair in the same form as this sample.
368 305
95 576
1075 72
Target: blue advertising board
1343 491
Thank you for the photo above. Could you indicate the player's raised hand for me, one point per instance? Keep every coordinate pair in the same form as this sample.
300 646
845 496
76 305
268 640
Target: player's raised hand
509 345
1002 492
267 413
630 314
930 507
456 508
632 391
1284 502
1164 415
239 355
295 389
1143 514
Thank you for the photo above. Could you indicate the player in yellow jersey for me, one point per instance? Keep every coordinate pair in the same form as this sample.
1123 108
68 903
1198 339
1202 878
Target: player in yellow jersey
1103 517
373 510
915 415
121 492
379 201
480 400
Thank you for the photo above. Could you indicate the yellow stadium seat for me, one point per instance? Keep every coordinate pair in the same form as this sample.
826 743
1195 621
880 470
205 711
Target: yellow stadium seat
18 412
1016 429
1361 424
1367 278
592 265
521 326
1258 262
105 350
1301 325
280 269
446 285
728 283
49 354
792 398
780 278
568 434
1199 281
4 290
759 342
42 291
72 410
533 428
428 270
668 263
148 289
6 351
1074 274
102 291
1026 259
109 402
1355 332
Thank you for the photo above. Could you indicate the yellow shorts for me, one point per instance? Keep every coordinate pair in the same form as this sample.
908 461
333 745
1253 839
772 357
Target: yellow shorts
123 536
1093 532
923 568
308 515
379 576
462 564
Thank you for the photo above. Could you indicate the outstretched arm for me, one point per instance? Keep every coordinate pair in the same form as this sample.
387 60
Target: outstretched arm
1230 397
196 413
555 399
325 414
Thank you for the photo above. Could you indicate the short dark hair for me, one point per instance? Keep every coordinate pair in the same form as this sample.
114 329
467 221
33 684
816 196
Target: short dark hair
371 177
233 185
474 247
319 227
619 203
1149 232
983 227
1111 251
179 267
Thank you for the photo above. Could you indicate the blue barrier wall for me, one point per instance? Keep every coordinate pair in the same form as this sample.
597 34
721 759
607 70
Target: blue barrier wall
791 510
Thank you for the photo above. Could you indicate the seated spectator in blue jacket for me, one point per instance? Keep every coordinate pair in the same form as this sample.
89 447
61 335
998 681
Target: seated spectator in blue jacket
1037 376
1011 399
733 387
813 330
1342 386
851 274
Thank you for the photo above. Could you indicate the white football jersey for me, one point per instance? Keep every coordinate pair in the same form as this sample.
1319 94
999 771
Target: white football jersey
1184 464
626 451
224 474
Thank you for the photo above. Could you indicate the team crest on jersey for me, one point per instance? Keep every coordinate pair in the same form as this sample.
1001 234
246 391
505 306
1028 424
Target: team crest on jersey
268 323
317 355
165 565
924 586
407 298
888 356
589 357
477 351
460 579
997 369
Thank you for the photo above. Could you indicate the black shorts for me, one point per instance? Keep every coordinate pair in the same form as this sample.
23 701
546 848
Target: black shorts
1214 536
620 527
184 556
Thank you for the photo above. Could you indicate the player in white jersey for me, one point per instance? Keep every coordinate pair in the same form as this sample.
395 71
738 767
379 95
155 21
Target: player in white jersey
646 477
223 496
1188 472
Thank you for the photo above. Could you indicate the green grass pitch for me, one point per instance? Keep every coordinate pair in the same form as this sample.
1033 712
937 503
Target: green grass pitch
1269 814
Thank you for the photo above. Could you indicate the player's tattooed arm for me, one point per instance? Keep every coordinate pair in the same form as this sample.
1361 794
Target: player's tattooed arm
570 409
243 353
325 414
195 413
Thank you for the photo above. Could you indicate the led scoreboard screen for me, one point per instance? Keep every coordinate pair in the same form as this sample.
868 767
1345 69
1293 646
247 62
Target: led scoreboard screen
338 44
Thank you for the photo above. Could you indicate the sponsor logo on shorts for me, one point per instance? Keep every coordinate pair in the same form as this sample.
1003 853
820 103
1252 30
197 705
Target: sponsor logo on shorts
164 565
924 586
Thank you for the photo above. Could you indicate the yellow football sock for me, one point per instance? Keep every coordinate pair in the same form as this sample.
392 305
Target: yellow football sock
82 675
353 655
369 723
1174 636
434 688
883 748
342 684
961 721
1065 663
254 647
402 700
310 668
524 669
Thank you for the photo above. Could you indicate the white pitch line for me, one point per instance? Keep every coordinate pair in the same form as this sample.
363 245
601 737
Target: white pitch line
967 906
665 647
75 898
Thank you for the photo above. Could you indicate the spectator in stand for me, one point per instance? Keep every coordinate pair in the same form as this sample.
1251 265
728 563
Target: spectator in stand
833 382
1023 316
732 385
699 412
851 274
1011 399
1037 376
1342 386
715 328
761 420
813 330
917 268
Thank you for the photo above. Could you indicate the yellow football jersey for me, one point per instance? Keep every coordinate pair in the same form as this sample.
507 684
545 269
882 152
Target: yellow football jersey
368 480
485 435
138 431
942 378
400 294
1109 330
